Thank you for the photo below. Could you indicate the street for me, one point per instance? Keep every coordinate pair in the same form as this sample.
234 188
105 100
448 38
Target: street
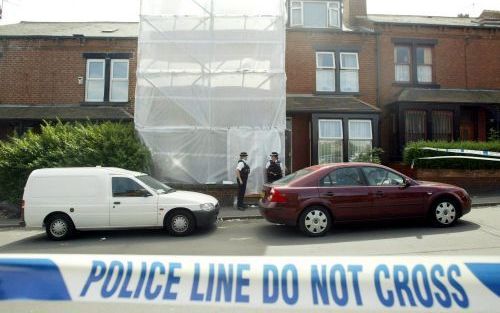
477 233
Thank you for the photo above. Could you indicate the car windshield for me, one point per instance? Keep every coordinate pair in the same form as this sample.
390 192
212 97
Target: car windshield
293 176
159 187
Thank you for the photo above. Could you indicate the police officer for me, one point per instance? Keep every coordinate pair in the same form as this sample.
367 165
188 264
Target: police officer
274 169
242 172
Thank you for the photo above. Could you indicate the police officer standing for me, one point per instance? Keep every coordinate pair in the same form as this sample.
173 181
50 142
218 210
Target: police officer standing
242 172
274 170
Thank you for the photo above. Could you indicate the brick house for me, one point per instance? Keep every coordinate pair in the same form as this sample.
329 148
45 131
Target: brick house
438 79
331 83
66 71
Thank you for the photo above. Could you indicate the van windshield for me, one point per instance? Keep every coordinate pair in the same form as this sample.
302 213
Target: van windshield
159 187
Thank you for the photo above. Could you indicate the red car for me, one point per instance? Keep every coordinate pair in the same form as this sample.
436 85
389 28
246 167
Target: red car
314 197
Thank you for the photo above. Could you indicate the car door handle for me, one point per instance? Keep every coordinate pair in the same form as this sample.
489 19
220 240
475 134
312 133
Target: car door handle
329 194
379 193
116 202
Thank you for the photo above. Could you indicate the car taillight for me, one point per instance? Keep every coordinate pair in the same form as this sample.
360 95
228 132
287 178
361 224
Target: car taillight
22 210
276 196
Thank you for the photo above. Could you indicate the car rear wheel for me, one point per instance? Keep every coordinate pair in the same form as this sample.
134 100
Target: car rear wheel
444 213
59 227
180 223
315 221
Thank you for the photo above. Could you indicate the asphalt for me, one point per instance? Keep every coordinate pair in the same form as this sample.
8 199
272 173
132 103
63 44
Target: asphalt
252 212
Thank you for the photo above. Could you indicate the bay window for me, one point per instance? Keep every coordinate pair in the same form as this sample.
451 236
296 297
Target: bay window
442 125
360 137
330 141
415 125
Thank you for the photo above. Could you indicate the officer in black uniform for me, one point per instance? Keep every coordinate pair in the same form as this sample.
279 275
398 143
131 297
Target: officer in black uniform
242 172
274 170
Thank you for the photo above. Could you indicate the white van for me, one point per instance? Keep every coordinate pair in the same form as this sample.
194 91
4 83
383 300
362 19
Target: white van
67 199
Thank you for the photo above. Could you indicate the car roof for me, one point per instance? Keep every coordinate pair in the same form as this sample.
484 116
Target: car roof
62 171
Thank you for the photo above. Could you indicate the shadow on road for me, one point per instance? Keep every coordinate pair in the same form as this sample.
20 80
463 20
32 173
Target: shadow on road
352 232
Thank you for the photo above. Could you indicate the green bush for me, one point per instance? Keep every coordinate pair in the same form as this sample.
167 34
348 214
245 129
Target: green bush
413 152
68 145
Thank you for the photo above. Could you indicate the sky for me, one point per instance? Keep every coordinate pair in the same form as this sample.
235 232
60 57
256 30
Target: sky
128 10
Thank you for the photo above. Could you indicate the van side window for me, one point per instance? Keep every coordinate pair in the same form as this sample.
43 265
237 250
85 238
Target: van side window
126 187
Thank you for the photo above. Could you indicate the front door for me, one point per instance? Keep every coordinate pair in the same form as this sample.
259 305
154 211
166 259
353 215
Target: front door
391 199
131 204
345 190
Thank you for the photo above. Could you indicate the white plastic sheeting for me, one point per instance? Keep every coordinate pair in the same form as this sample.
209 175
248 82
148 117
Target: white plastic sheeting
210 84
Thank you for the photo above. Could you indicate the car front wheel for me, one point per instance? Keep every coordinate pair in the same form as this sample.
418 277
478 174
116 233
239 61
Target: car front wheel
180 223
444 213
315 221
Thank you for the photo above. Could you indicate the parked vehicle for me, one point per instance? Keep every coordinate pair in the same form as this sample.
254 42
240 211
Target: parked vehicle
315 197
67 199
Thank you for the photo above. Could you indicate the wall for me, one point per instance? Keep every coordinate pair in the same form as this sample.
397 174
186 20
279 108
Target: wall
46 71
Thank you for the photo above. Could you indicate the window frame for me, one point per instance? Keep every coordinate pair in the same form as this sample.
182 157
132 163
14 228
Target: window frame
413 45
367 181
89 79
339 138
362 177
332 68
409 64
348 69
417 65
111 79
147 192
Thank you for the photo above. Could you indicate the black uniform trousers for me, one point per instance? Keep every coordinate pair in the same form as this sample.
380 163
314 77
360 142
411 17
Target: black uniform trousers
241 191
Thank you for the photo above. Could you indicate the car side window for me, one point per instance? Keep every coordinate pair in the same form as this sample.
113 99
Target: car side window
348 176
381 177
126 187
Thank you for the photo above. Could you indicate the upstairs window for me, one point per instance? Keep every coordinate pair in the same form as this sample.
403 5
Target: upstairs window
325 71
424 65
413 64
107 80
349 76
402 64
315 14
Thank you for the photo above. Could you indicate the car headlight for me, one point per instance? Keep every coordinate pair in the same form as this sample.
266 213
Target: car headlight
207 206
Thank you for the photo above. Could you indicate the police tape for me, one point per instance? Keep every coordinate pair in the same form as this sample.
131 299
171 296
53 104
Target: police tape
360 284
464 151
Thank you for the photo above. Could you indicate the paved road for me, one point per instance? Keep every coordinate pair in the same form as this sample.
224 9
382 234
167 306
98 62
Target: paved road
478 233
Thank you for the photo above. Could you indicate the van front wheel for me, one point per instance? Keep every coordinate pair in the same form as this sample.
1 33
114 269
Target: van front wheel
180 223
59 227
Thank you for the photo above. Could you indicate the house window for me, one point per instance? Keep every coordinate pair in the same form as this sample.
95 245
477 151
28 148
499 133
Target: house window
100 88
330 141
424 65
442 125
360 137
325 71
413 64
402 64
349 76
315 14
415 125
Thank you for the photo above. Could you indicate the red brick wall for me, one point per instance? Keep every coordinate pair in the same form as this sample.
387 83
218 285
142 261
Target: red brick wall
46 71
300 60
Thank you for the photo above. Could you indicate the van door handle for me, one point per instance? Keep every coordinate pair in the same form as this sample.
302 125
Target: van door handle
116 202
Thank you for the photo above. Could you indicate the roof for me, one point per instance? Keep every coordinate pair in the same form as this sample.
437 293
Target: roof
325 104
71 29
43 172
450 95
433 20
65 113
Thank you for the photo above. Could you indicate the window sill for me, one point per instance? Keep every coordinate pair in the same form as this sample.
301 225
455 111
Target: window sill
430 85
325 93
108 103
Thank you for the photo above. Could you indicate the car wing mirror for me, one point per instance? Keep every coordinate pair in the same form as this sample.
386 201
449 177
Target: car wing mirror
406 183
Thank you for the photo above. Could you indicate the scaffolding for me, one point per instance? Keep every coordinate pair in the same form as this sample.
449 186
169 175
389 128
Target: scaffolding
210 84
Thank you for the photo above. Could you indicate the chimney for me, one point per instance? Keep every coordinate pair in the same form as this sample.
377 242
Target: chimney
352 10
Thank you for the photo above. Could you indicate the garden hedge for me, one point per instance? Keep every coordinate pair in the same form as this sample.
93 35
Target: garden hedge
413 152
68 145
